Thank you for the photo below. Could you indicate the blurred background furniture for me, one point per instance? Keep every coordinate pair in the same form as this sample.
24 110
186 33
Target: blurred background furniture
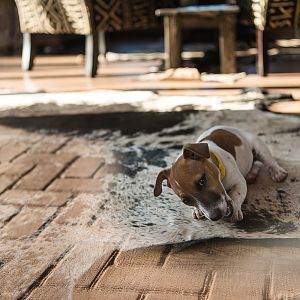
224 17
84 17
270 16
92 18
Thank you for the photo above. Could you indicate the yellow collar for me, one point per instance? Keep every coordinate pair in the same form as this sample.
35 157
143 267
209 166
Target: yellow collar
221 166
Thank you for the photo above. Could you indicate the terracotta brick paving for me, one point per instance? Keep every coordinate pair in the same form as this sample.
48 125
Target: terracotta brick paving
34 198
42 181
84 167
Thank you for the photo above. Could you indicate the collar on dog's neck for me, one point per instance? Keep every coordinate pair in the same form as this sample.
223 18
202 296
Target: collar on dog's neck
220 164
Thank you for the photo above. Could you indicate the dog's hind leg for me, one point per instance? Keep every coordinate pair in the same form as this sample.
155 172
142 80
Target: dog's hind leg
253 173
263 154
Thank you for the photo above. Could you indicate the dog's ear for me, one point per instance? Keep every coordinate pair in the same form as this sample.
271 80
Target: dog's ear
164 174
196 151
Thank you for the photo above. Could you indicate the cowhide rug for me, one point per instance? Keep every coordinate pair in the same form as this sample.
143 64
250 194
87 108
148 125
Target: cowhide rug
271 209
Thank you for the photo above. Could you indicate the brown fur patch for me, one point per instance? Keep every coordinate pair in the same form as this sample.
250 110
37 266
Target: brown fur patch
185 174
224 139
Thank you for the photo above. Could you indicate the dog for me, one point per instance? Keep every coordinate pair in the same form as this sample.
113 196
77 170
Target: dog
212 174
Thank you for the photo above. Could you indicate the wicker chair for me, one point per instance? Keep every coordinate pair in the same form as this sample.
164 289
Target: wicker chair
83 17
269 16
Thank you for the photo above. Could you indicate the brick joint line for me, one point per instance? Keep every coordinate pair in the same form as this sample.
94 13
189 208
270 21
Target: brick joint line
109 262
61 146
44 225
17 179
100 166
19 154
50 219
25 150
208 284
165 253
59 173
39 281
12 216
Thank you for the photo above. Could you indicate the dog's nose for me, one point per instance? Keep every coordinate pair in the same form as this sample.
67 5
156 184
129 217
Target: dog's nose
216 215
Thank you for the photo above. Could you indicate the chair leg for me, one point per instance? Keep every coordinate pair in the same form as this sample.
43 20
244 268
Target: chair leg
27 51
262 60
102 44
91 54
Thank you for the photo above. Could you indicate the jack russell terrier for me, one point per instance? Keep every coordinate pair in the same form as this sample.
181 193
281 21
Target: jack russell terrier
211 174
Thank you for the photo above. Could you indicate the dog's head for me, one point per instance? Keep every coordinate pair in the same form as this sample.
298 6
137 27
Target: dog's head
196 180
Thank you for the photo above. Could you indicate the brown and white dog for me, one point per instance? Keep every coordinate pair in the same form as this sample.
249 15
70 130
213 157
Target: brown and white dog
211 174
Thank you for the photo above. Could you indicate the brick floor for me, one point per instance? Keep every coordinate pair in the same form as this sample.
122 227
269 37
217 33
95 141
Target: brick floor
34 198
6 213
61 159
15 169
6 182
78 211
76 185
24 225
40 177
12 150
21 274
84 167
49 145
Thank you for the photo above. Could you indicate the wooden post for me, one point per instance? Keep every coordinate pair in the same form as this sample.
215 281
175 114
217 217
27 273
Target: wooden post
227 41
172 28
91 54
262 61
27 52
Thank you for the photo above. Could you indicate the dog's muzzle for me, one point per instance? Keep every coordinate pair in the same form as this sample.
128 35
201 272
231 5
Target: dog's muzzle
213 213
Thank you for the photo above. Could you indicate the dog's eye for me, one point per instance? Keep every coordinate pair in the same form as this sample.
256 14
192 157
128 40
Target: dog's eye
202 181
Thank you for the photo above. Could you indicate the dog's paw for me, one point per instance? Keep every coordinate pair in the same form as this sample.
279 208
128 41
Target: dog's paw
278 174
197 214
236 216
236 213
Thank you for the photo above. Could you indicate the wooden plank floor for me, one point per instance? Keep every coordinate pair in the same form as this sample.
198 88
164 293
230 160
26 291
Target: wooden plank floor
66 73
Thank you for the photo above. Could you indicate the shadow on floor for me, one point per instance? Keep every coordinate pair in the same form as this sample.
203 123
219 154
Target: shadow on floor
125 122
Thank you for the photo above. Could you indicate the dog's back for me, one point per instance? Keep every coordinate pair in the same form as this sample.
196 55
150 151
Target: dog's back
234 141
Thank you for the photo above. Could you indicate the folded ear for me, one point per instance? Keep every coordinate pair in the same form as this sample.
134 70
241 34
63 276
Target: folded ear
164 174
196 151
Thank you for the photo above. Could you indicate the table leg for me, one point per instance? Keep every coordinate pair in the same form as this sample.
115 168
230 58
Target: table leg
262 65
227 40
172 35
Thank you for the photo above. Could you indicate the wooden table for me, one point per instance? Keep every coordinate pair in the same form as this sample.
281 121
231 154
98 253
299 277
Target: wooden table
225 17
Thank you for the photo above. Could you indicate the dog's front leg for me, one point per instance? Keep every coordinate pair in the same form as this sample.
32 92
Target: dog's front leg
237 195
